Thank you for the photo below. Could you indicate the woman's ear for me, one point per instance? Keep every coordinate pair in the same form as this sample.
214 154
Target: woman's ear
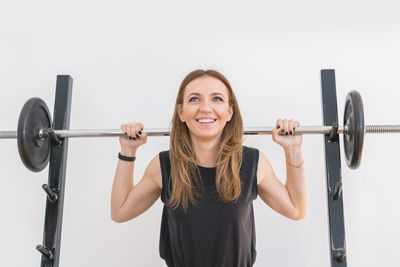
180 113
230 113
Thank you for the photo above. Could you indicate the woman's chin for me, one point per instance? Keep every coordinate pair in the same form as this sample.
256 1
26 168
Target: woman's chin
206 135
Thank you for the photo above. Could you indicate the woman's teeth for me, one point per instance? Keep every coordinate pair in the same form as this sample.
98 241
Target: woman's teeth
205 121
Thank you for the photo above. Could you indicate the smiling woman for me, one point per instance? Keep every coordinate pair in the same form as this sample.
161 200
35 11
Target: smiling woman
208 180
210 144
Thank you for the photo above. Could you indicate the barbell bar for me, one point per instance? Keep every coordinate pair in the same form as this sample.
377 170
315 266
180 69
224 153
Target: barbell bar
34 133
43 133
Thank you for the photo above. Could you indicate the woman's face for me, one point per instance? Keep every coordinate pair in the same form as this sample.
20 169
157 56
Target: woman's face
205 108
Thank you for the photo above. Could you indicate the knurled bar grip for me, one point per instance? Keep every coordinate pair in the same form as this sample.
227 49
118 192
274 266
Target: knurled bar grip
8 134
382 128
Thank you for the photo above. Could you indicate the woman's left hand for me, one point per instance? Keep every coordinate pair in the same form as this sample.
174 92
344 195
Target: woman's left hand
288 140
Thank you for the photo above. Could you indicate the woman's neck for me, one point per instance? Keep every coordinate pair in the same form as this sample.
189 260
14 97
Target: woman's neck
205 152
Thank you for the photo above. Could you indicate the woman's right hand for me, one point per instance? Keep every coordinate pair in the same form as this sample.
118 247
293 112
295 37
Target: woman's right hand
133 136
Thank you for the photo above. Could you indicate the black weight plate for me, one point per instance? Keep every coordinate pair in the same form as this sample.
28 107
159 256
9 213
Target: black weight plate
354 139
34 116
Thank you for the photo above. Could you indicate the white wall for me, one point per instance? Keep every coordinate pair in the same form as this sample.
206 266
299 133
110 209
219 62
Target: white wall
128 58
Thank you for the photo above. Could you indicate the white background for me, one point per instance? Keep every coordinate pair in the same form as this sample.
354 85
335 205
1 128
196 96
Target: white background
127 59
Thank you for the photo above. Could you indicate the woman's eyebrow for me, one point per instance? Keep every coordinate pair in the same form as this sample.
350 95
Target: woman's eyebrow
197 94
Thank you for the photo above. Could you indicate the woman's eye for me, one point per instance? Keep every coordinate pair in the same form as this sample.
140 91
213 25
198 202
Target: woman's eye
196 99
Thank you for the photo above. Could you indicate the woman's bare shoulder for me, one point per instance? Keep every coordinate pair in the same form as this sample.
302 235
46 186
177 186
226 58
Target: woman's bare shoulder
153 171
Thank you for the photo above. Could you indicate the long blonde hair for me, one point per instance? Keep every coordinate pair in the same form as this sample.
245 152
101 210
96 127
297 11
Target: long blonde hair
185 182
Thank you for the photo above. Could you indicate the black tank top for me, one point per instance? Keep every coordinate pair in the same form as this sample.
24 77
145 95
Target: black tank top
212 233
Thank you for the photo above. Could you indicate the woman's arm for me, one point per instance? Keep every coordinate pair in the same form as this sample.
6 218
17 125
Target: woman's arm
272 191
129 201
296 180
289 200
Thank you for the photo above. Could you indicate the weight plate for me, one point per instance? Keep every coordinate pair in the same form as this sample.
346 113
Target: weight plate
354 139
34 152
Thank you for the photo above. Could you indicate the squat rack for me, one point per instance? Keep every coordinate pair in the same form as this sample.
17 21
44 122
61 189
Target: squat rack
50 249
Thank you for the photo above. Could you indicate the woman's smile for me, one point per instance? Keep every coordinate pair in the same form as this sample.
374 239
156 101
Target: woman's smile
206 122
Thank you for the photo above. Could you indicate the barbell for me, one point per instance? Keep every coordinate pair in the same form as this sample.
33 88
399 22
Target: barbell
34 133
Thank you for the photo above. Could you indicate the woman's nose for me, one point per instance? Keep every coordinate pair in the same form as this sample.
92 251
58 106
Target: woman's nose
205 106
